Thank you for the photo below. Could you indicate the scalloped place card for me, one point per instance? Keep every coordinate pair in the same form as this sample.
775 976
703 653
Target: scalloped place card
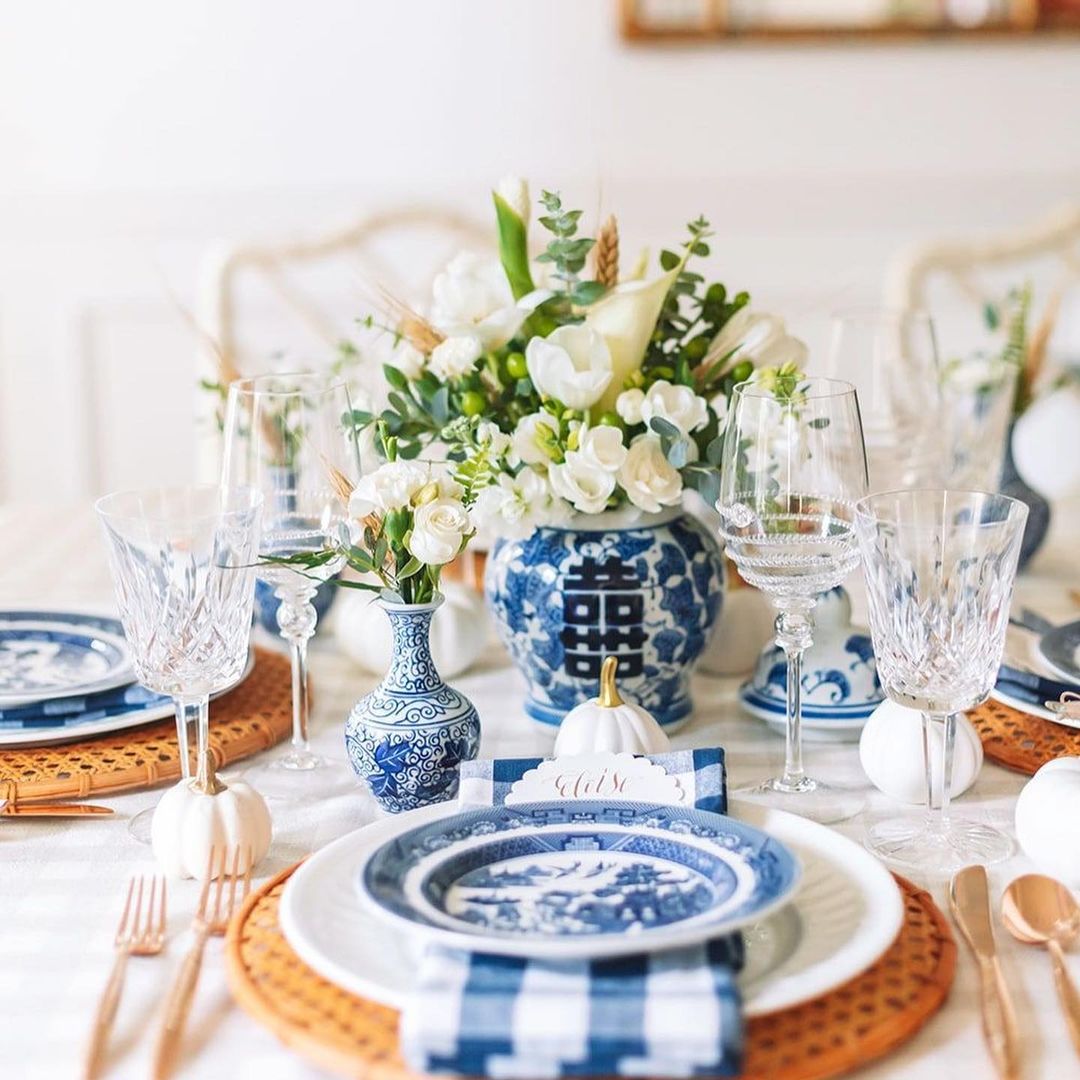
602 775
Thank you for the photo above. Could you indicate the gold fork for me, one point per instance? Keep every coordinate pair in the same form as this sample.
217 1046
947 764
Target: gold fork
210 919
141 933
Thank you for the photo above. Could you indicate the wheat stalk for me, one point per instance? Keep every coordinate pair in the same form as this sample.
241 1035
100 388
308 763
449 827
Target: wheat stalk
606 253
1035 360
414 328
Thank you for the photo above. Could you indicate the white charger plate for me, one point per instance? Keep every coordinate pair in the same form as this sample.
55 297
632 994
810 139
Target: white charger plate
847 913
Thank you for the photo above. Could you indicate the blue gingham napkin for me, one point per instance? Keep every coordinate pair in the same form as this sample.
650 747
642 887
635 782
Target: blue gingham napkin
676 1013
66 711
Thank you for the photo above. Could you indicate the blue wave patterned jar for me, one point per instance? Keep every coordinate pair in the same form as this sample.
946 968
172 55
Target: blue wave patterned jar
407 737
648 591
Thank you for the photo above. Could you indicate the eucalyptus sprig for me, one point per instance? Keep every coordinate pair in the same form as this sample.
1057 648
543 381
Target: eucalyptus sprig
568 252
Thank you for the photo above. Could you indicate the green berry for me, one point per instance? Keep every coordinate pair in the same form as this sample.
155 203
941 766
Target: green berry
742 371
516 366
472 403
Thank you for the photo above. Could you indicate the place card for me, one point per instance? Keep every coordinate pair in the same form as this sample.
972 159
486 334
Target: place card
601 775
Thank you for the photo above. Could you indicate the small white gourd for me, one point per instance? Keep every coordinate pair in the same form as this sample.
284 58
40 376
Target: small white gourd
891 753
1047 813
203 813
609 723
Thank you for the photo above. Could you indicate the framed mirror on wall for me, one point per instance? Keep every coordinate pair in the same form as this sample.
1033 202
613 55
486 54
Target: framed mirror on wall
657 20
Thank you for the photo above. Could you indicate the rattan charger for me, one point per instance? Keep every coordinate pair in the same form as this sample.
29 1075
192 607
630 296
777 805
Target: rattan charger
353 1037
1019 740
253 717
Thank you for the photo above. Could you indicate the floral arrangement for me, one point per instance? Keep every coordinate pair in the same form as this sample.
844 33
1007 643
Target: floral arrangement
554 386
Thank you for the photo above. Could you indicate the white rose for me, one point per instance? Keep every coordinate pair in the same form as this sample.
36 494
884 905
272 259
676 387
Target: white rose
679 405
647 477
456 356
408 359
524 440
628 406
572 365
582 483
389 487
762 339
439 529
514 191
603 446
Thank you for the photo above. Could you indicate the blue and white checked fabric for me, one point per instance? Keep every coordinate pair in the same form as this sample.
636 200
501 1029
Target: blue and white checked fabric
64 712
670 1014
699 772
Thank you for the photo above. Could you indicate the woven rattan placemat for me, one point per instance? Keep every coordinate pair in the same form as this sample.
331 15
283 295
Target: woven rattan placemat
863 1019
253 717
1019 740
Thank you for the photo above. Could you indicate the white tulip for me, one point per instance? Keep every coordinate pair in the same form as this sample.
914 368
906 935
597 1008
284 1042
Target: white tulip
408 359
514 191
438 532
582 483
525 438
628 406
456 356
679 405
472 298
762 339
603 446
389 487
649 480
571 365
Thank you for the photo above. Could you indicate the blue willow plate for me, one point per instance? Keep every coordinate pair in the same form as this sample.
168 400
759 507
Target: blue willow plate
1060 648
577 879
48 655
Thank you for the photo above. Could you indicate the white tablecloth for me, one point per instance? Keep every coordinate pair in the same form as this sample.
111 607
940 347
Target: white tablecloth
61 884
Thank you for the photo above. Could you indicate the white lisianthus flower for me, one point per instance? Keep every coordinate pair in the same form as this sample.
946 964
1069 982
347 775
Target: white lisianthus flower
582 483
389 487
572 365
628 406
525 440
514 191
648 478
513 506
762 339
408 359
678 405
456 356
603 446
439 529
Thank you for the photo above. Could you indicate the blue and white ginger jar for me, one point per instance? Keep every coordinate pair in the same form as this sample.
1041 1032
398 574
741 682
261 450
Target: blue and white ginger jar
407 737
647 590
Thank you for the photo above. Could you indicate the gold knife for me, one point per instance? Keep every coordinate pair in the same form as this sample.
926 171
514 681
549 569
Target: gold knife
10 809
969 901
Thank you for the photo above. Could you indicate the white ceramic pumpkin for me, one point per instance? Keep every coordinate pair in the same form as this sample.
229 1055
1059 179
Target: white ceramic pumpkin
459 630
891 753
609 723
200 814
1047 813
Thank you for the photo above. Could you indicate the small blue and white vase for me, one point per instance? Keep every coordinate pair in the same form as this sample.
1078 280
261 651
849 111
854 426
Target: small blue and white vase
407 737
647 589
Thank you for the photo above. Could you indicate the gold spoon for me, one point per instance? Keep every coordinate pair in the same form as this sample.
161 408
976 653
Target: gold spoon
1041 911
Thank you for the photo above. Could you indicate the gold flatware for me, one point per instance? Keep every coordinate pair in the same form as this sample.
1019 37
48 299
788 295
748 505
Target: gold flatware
210 920
141 933
10 809
1041 911
969 901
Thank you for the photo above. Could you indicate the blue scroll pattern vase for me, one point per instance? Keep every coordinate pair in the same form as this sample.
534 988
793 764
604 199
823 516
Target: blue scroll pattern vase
407 737
647 591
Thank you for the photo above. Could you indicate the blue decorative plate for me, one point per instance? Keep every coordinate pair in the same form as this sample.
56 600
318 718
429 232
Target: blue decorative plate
1060 648
578 879
47 655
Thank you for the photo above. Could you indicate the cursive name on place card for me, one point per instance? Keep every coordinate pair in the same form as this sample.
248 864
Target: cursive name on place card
600 775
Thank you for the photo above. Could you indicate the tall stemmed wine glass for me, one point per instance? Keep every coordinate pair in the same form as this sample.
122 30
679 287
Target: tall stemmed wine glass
940 567
793 467
286 435
182 565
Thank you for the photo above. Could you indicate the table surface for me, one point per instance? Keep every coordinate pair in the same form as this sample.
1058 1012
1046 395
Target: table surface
62 884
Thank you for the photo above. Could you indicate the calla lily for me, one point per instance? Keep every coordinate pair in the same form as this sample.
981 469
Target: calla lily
626 318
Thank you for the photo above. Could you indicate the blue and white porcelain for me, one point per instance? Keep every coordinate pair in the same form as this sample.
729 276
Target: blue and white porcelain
647 591
577 879
840 685
407 737
1060 649
49 655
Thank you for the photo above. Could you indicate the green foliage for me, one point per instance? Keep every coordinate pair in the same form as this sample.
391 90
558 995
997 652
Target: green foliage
567 252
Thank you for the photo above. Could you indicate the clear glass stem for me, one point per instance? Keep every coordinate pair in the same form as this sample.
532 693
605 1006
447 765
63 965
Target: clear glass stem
185 714
296 618
937 810
794 634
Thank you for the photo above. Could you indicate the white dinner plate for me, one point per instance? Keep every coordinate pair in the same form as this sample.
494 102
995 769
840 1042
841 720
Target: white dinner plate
54 736
847 913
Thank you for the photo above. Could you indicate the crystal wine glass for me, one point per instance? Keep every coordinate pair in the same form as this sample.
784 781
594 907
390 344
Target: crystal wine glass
940 567
182 564
793 467
891 358
286 435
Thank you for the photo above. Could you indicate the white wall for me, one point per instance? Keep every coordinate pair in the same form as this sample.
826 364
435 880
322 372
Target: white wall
133 135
